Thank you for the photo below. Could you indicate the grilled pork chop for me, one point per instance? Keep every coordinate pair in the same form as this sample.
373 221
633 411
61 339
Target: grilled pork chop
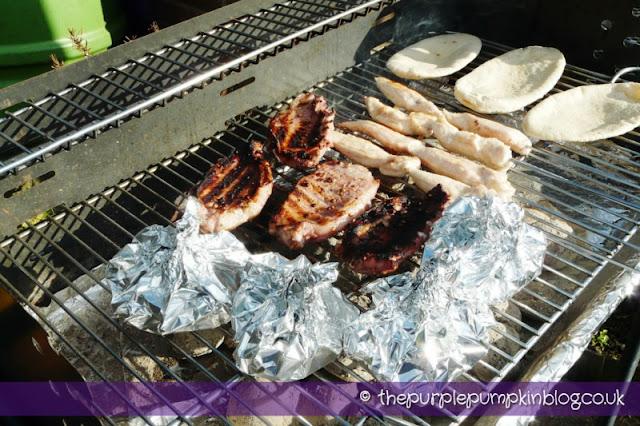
301 132
234 190
323 203
387 234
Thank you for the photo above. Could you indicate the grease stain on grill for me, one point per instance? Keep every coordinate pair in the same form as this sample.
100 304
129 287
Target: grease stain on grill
237 86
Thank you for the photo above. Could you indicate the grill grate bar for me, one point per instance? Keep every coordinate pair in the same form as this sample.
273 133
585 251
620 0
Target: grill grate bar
570 195
192 54
52 115
122 87
171 61
286 15
587 169
542 299
556 288
154 69
258 27
213 48
581 187
583 153
516 321
262 16
325 6
136 79
530 310
246 34
229 40
14 142
301 9
29 126
148 208
580 223
78 107
100 98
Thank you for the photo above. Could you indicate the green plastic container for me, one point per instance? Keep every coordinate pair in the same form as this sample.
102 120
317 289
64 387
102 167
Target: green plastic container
31 30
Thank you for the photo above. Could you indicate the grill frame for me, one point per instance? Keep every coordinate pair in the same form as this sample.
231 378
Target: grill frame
186 166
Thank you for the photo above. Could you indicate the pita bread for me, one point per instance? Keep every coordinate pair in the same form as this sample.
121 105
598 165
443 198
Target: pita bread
511 81
435 57
586 113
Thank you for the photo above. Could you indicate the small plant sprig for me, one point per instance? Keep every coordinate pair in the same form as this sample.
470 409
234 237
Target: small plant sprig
600 340
79 43
55 62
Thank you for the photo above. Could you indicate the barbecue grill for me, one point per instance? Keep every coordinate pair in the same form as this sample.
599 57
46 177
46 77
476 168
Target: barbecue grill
110 145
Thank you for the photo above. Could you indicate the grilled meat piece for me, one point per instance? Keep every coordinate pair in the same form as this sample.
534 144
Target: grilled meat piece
301 132
387 234
234 190
323 203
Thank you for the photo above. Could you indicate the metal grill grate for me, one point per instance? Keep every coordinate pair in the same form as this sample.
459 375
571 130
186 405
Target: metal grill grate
585 198
82 110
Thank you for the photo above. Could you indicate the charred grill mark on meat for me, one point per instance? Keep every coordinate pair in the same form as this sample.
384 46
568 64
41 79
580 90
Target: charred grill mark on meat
234 190
323 203
300 134
389 233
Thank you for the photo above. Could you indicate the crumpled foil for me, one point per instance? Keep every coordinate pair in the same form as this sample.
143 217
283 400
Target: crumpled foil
175 279
433 326
288 317
416 332
484 249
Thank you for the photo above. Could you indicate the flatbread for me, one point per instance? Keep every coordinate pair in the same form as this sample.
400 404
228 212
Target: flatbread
434 57
586 113
511 81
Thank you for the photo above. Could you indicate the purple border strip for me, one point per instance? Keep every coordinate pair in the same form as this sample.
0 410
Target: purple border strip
318 399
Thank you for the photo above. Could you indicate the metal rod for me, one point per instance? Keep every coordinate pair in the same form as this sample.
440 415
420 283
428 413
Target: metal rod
138 79
14 142
52 115
98 97
30 127
195 55
79 107
122 87
249 24
173 62
157 71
